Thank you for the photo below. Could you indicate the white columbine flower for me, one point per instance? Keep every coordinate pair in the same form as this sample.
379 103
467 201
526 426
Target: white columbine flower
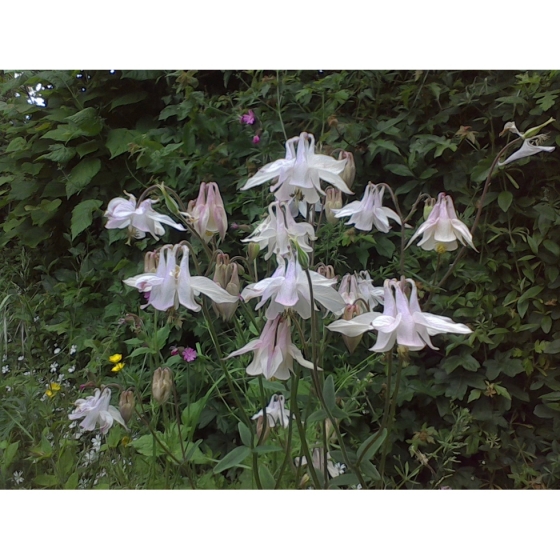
288 288
276 231
301 170
530 147
123 213
443 229
172 285
334 470
97 410
402 321
274 352
369 211
276 413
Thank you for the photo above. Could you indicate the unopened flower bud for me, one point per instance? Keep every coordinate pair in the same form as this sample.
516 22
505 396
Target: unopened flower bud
126 405
253 251
402 352
151 260
349 172
428 207
226 276
351 311
333 202
162 385
260 426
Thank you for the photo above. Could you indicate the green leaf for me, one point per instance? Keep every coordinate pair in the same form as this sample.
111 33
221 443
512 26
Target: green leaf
245 434
128 99
47 480
267 480
505 198
399 169
87 148
59 153
475 394
82 216
16 145
81 175
552 347
368 449
233 459
72 482
9 454
118 141
329 393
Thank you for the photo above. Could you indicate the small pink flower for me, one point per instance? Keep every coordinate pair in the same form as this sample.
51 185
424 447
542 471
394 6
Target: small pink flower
189 355
247 118
174 350
256 139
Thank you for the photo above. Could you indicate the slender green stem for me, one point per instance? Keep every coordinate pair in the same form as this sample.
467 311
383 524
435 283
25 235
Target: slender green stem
293 403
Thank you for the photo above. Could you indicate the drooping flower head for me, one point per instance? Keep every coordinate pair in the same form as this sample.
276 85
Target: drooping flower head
402 321
207 213
274 352
443 229
369 211
276 412
172 284
276 231
95 410
532 141
288 288
302 169
140 219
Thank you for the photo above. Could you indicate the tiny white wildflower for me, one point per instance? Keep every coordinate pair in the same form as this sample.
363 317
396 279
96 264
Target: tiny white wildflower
4 357
5 369
17 477
73 349
56 351
21 358
8 389
26 373
36 319
60 378
54 367
71 369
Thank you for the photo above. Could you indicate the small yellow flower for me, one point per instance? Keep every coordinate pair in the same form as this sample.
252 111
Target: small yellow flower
53 389
115 358
118 367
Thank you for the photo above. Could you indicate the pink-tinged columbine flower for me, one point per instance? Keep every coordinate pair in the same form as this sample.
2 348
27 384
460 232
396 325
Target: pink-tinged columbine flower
301 170
97 410
172 285
247 118
319 464
354 287
189 354
443 229
276 413
226 276
288 288
402 321
369 211
140 219
207 213
276 231
274 352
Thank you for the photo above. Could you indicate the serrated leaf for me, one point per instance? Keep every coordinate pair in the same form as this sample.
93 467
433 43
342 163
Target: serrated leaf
82 216
232 459
81 175
16 145
118 140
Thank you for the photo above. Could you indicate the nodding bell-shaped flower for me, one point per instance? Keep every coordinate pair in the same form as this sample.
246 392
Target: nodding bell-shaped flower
126 405
349 173
443 229
301 169
274 352
333 202
140 219
276 413
288 288
530 147
226 276
276 232
207 213
162 385
97 410
369 211
402 321
172 285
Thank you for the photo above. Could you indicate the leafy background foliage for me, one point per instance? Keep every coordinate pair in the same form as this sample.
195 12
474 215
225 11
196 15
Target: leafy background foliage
481 412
